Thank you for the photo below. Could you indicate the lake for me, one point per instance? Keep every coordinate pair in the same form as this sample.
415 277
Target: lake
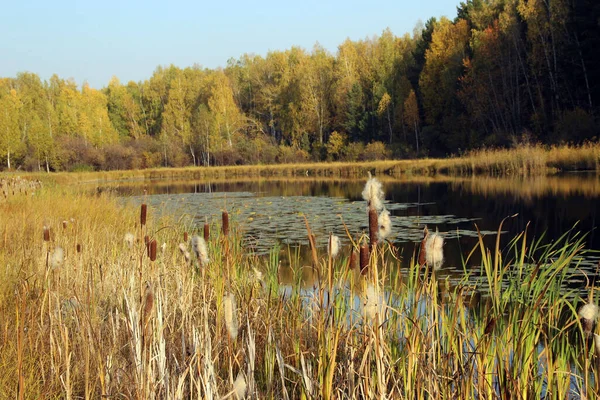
271 211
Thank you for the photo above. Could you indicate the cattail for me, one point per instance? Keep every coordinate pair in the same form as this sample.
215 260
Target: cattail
57 258
185 237
206 232
423 248
79 248
182 248
333 247
64 224
46 234
374 303
152 250
239 387
143 214
364 259
231 321
148 303
373 193
128 239
199 247
225 218
352 260
588 314
373 227
385 224
434 250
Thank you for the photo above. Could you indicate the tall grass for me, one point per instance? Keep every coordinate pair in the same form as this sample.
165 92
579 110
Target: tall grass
109 322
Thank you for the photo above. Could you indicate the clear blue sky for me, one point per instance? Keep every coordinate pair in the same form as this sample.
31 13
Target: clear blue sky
94 40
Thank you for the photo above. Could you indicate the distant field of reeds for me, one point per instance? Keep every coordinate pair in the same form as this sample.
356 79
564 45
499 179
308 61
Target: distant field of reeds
102 301
525 160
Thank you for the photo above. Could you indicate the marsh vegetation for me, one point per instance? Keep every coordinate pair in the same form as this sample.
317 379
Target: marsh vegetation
95 303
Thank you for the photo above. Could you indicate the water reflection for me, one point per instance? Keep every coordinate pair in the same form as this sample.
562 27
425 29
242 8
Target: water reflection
270 210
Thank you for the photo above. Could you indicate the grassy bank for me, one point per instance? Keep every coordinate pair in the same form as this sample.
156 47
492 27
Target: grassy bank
100 318
526 160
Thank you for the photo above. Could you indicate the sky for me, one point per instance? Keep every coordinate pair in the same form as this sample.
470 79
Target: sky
92 41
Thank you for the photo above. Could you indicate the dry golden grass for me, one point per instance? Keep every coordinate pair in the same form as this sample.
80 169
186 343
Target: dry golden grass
107 322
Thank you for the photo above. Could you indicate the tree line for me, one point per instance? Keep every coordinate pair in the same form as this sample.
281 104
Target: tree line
501 72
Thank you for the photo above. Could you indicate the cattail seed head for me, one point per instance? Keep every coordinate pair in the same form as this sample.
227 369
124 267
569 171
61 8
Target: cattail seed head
364 259
206 232
129 239
385 225
143 214
231 320
64 224
434 250
373 193
373 227
79 248
333 247
200 249
185 237
225 218
57 258
588 314
152 250
240 387
46 234
353 259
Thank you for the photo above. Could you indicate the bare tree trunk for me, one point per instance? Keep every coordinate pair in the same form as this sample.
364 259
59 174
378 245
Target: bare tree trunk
417 138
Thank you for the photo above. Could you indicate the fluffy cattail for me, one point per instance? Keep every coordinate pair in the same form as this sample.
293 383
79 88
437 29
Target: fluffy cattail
385 225
373 193
182 248
231 320
163 247
199 247
46 234
206 232
225 218
143 214
333 247
373 227
257 274
57 257
374 303
588 314
185 237
239 387
152 250
128 239
434 250
364 259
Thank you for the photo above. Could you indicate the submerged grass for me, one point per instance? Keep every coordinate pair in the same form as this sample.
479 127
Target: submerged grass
109 322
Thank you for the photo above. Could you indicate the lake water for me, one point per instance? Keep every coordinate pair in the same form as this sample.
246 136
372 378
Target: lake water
271 211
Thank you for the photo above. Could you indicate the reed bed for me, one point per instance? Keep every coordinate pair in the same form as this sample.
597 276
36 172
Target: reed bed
523 160
108 317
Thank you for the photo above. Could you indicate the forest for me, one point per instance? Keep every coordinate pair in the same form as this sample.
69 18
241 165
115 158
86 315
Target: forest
502 73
